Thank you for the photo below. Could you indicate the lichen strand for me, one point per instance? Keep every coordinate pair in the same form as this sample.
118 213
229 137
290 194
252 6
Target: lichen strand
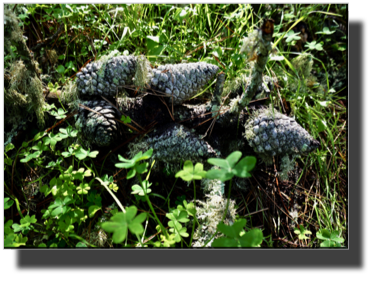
270 133
24 93
174 143
210 213
143 73
303 64
287 165
70 94
257 48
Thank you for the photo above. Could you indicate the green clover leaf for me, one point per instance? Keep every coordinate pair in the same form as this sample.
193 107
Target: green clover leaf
325 31
137 189
291 35
126 119
81 153
60 114
229 168
302 233
190 173
234 238
121 222
331 240
8 203
40 147
52 139
83 188
93 209
29 157
80 174
314 45
68 132
127 164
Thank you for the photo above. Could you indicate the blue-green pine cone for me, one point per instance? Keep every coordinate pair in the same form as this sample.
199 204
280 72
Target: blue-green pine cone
271 133
174 143
182 81
106 79
98 126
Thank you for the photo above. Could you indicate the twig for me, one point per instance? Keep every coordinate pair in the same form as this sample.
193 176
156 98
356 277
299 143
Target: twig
44 42
252 213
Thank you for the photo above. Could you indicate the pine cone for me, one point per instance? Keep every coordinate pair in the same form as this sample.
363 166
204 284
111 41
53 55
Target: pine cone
272 134
174 143
107 78
182 81
99 127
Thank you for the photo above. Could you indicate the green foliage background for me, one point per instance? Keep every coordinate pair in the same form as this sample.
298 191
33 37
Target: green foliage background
311 87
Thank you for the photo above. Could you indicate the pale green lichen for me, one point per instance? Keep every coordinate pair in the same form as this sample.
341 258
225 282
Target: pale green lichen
26 92
12 30
70 95
287 165
143 72
250 44
210 213
303 64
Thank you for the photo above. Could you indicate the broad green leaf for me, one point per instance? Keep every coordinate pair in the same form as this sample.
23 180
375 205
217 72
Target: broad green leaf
222 175
131 173
40 147
218 162
321 125
243 168
225 242
329 239
7 227
61 69
233 158
9 147
291 35
253 238
28 219
234 230
126 163
190 172
126 119
302 233
314 45
121 222
81 245
326 30
8 203
83 188
68 132
29 157
142 168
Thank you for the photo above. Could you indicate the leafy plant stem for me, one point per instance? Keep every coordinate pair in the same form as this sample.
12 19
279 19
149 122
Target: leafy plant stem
195 197
152 209
18 208
101 169
113 196
228 201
